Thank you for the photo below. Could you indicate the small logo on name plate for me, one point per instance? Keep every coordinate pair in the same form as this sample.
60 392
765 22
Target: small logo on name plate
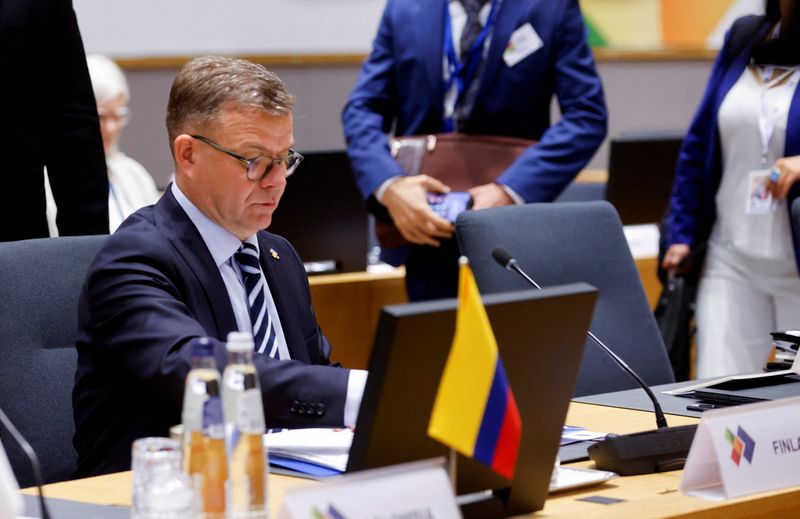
742 445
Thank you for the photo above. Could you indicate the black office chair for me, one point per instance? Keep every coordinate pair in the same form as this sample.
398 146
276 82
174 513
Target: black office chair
40 281
566 243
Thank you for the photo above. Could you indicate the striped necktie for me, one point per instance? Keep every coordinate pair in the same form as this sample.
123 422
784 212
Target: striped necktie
472 27
263 330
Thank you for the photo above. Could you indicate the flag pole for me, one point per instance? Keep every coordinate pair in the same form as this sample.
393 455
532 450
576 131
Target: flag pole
451 469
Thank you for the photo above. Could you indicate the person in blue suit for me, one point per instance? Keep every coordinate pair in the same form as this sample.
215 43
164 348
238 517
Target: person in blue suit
736 179
478 67
173 271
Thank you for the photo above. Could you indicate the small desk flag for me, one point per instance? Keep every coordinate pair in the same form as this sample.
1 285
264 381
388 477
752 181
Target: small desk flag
475 412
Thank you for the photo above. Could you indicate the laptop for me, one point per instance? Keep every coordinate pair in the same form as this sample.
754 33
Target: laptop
736 392
540 335
641 169
323 215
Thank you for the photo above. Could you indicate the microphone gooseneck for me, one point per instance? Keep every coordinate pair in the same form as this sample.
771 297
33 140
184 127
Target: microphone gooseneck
31 454
504 258
664 448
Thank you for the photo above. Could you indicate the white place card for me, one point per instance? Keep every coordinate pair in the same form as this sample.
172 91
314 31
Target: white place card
745 449
10 499
418 489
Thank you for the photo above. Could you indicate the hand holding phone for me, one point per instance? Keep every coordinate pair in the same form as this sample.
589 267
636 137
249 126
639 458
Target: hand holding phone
449 205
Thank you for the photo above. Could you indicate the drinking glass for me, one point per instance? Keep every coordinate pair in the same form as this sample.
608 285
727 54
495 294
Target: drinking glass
161 489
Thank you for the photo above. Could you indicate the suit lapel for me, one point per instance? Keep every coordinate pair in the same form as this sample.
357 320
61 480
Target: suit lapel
426 31
737 66
181 232
508 19
275 271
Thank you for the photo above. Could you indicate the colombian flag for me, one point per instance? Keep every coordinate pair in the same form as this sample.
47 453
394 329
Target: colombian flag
475 412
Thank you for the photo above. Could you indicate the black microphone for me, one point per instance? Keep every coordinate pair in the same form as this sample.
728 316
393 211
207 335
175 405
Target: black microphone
31 454
659 450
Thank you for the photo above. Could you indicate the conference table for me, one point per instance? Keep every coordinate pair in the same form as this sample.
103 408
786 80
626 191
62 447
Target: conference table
646 496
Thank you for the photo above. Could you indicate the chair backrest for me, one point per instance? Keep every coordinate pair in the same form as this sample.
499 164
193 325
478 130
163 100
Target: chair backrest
565 243
40 282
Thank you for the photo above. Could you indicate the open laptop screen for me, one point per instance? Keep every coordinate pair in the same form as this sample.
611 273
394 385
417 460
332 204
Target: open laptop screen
641 169
540 335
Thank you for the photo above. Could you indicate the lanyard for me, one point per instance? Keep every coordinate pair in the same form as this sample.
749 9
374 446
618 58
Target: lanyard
767 118
462 72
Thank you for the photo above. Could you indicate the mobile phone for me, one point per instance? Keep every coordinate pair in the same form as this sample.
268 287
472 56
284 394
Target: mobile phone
449 205
703 407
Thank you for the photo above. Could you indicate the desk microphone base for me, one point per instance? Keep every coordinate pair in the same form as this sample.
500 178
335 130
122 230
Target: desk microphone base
645 452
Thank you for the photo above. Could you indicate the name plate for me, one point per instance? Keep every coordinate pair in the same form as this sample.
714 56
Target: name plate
743 450
415 490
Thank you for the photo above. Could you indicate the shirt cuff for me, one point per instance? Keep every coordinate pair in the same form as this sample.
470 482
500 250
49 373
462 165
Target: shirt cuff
513 194
383 187
355 391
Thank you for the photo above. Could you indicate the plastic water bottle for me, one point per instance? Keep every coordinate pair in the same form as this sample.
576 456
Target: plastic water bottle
244 419
204 430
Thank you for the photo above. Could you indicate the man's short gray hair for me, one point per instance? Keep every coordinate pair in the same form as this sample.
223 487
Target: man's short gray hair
206 84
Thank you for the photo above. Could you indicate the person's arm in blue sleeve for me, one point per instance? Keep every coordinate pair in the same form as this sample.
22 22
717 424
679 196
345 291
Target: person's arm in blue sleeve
688 194
370 112
545 169
367 118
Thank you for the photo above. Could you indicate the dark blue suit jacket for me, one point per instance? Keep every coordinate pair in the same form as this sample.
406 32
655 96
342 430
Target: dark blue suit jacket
152 288
401 84
699 170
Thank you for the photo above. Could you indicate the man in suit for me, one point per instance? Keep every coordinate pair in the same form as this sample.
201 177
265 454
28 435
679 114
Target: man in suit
487 67
49 118
174 271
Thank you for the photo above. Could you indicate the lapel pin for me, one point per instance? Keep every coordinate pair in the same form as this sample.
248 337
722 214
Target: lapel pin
274 254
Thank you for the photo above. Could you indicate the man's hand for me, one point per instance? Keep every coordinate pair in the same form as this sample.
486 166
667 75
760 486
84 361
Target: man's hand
788 169
406 200
489 195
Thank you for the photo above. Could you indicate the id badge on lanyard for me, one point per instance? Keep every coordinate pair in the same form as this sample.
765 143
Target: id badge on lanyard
461 73
759 200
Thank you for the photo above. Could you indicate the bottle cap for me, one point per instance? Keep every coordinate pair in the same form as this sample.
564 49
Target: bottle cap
202 347
240 341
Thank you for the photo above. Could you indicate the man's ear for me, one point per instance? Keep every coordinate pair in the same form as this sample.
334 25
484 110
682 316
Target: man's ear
185 151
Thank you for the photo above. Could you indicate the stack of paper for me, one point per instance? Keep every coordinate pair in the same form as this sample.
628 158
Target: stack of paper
315 452
574 434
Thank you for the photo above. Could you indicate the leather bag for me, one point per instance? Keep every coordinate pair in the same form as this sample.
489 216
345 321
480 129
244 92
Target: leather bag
459 160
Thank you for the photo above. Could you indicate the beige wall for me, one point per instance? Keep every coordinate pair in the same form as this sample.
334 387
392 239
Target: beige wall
641 95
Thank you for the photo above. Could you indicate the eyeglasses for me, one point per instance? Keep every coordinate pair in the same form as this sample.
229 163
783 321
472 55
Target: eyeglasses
259 167
120 115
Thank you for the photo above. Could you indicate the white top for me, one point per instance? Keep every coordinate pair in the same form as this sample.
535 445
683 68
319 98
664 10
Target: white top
222 244
765 237
130 187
